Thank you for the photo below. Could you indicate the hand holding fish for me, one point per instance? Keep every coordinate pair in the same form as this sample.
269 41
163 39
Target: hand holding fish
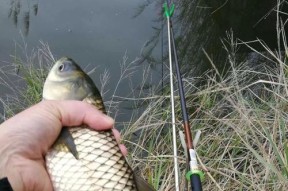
36 153
26 138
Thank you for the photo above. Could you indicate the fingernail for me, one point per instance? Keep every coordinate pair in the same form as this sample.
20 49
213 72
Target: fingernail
109 119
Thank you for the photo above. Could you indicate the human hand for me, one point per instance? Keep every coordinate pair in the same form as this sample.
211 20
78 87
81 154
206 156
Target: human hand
26 138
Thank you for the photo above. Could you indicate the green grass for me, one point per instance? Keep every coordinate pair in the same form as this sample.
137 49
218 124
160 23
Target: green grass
24 78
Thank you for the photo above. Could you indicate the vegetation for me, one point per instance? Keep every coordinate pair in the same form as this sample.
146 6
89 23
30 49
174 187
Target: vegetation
23 79
243 119
242 115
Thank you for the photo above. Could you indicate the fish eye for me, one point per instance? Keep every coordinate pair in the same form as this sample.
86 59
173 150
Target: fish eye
61 67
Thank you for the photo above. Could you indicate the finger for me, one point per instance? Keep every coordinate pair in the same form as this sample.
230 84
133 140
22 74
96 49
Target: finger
123 149
46 119
116 135
78 113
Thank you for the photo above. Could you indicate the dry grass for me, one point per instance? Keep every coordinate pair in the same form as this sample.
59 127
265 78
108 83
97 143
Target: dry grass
242 116
243 119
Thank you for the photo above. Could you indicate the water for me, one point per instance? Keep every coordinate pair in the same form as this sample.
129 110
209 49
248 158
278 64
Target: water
95 33
204 24
100 32
92 32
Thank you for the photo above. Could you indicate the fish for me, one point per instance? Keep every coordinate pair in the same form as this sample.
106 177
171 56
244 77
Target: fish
82 158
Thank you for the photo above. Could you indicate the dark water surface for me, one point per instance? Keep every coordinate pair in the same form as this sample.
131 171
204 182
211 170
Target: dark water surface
96 33
99 32
203 24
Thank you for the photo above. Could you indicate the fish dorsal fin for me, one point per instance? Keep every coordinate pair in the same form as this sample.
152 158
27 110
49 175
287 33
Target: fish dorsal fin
142 185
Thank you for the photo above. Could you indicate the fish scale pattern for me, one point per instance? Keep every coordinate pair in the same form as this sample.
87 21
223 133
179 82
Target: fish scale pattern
97 163
101 165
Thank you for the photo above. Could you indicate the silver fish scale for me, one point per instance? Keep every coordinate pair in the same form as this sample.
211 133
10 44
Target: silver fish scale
101 165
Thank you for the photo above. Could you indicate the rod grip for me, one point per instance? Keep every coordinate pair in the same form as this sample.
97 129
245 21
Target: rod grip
195 182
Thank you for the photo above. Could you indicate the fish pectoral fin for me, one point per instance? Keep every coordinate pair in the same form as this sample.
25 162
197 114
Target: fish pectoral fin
142 185
65 142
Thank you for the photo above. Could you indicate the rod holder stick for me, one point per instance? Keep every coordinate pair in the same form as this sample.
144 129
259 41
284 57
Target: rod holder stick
175 156
195 174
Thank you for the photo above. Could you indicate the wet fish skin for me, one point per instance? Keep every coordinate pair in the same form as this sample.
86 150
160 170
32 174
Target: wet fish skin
97 162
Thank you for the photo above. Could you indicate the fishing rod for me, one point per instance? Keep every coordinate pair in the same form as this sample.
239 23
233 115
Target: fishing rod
194 175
